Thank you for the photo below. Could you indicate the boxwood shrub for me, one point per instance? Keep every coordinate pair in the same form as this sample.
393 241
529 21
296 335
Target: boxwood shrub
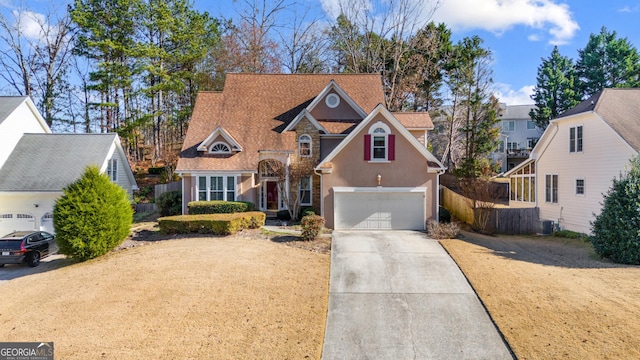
216 224
219 207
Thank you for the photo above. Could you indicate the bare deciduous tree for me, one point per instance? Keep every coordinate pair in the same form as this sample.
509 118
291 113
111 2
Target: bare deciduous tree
290 176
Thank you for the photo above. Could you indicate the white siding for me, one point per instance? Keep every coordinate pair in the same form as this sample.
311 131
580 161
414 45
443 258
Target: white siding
123 178
25 203
604 157
22 120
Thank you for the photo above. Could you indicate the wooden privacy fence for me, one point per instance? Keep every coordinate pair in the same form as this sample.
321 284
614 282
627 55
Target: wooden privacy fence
163 188
513 221
146 208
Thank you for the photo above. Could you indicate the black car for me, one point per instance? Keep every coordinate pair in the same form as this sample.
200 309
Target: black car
26 247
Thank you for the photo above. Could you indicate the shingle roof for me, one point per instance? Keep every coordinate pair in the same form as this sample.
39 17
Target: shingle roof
620 108
49 162
8 104
254 108
414 120
512 112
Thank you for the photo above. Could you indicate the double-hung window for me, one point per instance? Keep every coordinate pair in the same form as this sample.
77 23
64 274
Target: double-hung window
579 186
305 190
508 125
575 139
216 188
551 189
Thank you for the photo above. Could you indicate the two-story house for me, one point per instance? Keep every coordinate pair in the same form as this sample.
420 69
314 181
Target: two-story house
577 157
518 135
370 167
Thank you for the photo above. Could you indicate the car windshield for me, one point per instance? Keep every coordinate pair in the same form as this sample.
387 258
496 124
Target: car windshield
10 244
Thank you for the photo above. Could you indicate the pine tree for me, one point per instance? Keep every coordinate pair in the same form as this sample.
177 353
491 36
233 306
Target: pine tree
607 61
555 91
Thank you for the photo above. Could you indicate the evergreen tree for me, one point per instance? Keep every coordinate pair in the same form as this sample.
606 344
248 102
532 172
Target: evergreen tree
616 230
92 217
555 91
607 61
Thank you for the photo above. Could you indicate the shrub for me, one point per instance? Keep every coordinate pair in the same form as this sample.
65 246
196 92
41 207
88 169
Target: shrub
170 203
92 217
219 207
217 224
445 215
311 226
307 210
568 234
156 170
442 230
283 215
616 230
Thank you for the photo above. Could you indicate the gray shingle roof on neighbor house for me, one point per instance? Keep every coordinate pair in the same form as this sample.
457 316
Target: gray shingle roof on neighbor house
8 104
49 162
517 112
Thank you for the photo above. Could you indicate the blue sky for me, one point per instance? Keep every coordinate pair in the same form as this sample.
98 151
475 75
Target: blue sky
519 32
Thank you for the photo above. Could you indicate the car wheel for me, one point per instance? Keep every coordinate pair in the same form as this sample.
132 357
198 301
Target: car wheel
1 265
34 259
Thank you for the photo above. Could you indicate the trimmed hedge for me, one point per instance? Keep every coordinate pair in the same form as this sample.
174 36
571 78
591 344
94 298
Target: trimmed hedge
217 224
311 226
219 207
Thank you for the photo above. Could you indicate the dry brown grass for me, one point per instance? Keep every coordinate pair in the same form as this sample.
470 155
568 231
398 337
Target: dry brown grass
552 298
191 298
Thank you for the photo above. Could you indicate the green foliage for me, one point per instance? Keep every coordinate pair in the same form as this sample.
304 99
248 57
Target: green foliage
616 230
283 215
307 210
568 234
555 90
170 203
217 224
311 226
156 170
92 217
219 207
445 215
607 61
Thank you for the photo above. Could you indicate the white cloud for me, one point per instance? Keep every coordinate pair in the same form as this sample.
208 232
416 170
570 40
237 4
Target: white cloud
506 94
31 24
499 16
533 37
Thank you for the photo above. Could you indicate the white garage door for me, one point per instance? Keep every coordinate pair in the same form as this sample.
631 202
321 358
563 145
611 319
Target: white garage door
10 222
374 208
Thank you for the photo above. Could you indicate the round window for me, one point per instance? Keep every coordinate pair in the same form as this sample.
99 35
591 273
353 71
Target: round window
332 100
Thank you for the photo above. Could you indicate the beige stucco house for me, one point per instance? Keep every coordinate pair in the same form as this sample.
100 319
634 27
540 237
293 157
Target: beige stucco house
577 157
370 168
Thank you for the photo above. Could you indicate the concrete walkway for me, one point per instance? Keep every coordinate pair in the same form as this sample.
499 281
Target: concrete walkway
399 295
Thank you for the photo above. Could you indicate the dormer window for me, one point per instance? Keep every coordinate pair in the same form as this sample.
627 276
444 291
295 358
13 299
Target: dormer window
220 148
304 145
379 143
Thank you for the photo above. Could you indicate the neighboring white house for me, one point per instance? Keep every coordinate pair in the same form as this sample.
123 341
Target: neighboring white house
518 135
41 165
577 157
18 115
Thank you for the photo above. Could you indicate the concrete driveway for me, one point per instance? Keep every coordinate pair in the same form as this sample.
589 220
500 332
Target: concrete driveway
399 295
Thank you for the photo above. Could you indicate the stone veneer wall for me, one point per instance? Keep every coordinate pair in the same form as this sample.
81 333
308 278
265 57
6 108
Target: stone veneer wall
306 127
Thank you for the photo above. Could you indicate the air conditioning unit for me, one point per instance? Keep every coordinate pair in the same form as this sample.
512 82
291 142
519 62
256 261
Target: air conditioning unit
546 227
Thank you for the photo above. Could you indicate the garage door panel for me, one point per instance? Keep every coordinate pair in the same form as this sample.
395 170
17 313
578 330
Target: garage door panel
379 210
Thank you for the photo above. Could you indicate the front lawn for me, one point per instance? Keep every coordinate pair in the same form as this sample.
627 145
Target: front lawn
198 298
553 298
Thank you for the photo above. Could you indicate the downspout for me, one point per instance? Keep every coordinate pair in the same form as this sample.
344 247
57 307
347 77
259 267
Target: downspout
315 171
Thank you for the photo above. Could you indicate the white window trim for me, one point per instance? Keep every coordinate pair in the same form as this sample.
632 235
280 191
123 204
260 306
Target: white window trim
551 201
301 141
327 100
113 175
219 152
575 142
207 190
509 122
372 132
584 187
531 122
310 203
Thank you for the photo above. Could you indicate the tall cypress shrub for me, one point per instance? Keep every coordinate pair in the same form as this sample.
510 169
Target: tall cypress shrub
92 217
616 231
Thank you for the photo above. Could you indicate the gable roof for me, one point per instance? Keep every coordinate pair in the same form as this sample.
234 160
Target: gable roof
255 108
50 162
620 108
432 161
8 104
225 135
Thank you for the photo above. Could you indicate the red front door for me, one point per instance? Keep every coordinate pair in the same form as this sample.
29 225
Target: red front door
272 195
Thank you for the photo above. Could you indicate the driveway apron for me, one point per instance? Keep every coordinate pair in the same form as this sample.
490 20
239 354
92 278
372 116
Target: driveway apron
399 295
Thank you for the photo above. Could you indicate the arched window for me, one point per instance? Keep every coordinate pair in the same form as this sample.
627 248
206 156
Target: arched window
379 143
220 148
304 145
